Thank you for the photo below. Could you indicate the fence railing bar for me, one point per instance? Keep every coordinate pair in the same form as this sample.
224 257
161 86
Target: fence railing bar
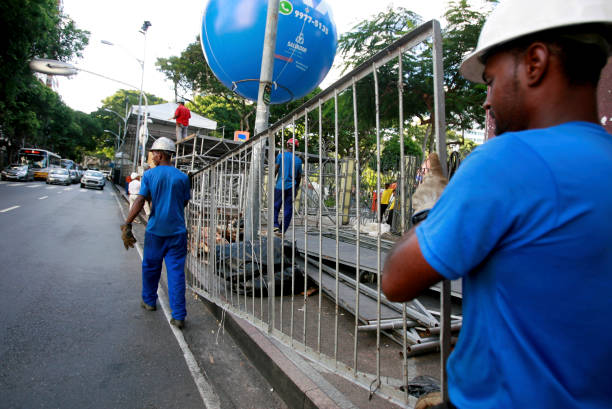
358 239
321 187
305 205
294 221
270 240
378 203
337 189
282 172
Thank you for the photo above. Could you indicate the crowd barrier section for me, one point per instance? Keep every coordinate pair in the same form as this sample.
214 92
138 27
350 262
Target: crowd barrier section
316 287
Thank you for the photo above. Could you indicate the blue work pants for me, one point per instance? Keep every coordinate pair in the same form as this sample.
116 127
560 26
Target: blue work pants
287 207
172 250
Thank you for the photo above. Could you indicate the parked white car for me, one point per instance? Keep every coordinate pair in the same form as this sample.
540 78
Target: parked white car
93 178
59 176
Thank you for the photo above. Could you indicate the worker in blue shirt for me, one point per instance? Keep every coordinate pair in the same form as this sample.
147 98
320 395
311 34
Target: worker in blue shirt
529 234
288 169
166 236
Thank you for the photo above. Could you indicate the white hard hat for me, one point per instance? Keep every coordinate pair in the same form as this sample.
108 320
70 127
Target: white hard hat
513 19
134 175
163 144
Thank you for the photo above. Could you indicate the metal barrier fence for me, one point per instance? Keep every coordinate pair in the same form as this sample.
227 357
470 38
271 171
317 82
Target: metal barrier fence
332 247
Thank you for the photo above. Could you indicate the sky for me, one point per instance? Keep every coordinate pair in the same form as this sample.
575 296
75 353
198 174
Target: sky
174 25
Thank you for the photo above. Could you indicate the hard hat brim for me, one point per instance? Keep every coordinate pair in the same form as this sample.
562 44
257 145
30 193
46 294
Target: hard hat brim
472 67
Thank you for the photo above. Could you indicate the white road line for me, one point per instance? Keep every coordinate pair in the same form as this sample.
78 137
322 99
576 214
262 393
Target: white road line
15 184
3 183
8 209
68 188
44 197
33 186
51 187
207 393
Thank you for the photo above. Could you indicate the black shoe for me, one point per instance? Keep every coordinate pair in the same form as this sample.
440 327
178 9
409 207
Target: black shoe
147 306
180 324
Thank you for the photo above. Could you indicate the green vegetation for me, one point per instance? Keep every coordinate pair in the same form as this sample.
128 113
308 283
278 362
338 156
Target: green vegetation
32 114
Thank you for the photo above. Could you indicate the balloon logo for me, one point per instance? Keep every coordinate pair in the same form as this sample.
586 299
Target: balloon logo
232 41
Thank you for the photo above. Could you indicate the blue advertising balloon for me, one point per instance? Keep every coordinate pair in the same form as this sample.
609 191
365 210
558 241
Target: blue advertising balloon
232 40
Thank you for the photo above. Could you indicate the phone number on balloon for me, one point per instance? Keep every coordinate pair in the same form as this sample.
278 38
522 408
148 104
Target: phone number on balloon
314 22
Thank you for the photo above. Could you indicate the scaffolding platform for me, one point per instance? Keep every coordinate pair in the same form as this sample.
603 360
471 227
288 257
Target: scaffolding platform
196 151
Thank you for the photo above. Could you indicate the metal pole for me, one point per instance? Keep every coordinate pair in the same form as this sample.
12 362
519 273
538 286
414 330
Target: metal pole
445 299
261 120
142 69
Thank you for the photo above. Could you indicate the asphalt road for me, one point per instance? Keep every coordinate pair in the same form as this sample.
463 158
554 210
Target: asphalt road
72 333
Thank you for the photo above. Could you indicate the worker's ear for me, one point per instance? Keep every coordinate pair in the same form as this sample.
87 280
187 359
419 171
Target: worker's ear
536 62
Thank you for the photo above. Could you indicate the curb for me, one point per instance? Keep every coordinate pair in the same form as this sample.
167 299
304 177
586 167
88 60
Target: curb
291 384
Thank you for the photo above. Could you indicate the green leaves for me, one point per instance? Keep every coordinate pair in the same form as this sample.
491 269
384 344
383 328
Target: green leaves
30 112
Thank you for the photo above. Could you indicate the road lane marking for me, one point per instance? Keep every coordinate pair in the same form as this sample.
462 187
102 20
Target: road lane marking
51 187
207 393
68 188
15 184
8 209
44 197
33 186
3 183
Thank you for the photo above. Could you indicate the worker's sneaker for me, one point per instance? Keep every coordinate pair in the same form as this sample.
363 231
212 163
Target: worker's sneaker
180 324
147 306
277 230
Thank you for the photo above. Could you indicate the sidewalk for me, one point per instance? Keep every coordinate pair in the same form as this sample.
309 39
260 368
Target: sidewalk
299 382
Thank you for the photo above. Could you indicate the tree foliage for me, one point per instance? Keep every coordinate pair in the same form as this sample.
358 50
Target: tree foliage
30 112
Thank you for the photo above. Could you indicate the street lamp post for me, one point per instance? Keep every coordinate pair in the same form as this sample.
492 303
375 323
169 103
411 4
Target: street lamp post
143 31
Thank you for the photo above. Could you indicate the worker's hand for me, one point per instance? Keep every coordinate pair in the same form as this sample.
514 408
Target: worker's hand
429 400
127 236
428 192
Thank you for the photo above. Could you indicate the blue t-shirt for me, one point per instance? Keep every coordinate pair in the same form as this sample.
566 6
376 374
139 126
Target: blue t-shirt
527 222
284 179
168 189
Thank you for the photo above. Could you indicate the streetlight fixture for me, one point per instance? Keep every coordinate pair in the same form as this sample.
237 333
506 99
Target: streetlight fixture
116 135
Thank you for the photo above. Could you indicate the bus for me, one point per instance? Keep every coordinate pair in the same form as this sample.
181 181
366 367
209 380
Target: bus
39 159
67 164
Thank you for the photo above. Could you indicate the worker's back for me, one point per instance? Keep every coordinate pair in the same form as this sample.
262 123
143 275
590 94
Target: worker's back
537 304
168 189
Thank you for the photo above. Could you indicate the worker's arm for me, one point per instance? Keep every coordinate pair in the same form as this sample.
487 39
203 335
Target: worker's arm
276 169
135 209
406 273
298 180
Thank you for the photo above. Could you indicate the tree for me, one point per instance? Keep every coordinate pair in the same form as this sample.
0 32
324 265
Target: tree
35 28
463 99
